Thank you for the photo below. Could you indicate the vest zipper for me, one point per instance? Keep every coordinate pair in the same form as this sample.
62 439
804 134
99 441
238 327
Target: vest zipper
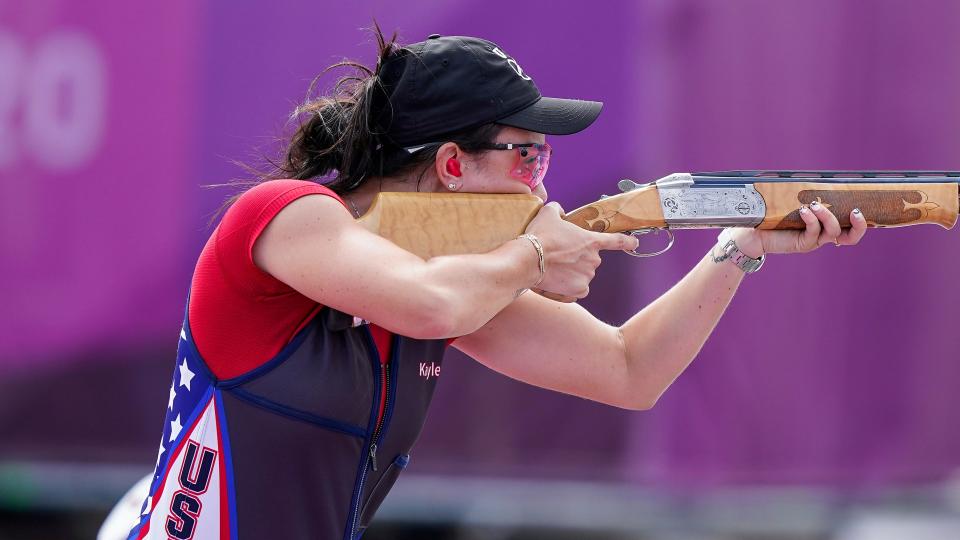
384 389
356 508
378 427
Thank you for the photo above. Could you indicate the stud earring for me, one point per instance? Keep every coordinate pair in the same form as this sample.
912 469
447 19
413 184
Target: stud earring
452 186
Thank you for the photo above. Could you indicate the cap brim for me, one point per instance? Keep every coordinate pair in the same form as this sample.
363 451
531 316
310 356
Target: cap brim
555 116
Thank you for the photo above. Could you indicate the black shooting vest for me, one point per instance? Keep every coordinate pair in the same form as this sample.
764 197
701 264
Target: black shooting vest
292 449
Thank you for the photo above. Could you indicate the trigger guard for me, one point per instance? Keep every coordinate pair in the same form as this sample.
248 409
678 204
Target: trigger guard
639 232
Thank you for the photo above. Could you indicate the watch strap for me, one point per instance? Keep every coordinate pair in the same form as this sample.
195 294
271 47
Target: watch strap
730 251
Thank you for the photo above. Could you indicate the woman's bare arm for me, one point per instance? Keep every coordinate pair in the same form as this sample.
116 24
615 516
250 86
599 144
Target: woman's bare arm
564 348
315 246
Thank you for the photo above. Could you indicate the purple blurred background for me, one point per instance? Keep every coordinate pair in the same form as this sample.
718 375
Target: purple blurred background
835 370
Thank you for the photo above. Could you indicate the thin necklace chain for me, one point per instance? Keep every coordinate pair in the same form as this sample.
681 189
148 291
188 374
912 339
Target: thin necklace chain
354 206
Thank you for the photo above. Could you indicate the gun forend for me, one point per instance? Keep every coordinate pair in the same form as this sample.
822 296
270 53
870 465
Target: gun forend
772 200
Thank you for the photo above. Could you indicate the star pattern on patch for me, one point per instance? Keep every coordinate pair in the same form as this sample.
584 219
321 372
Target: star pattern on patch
190 391
185 374
175 428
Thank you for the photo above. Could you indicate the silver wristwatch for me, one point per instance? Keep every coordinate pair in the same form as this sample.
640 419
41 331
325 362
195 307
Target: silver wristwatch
729 250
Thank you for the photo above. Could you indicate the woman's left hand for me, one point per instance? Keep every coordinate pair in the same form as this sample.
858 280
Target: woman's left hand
822 228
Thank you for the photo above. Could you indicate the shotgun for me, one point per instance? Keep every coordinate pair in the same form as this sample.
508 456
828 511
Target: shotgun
431 224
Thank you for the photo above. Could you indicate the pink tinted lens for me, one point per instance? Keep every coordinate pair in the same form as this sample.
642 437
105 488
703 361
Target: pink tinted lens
532 167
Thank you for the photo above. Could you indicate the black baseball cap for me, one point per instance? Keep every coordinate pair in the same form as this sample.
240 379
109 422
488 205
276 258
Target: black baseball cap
448 84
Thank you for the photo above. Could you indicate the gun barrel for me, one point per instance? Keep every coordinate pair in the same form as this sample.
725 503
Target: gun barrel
828 177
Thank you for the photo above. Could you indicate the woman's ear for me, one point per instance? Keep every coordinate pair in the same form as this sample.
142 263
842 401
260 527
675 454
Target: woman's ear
448 166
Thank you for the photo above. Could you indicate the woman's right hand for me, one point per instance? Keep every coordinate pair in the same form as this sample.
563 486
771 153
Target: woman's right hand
571 254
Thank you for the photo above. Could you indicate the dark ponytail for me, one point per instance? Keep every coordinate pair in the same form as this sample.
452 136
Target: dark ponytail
337 141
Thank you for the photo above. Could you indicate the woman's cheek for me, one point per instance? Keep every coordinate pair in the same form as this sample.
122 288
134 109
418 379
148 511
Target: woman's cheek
541 192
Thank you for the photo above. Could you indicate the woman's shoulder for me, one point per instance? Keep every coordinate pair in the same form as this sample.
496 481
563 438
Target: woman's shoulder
265 200
270 190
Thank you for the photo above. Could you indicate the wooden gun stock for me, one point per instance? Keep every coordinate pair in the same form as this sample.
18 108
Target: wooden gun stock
432 224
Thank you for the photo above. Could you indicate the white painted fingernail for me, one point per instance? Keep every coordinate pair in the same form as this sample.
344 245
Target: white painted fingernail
814 205
803 210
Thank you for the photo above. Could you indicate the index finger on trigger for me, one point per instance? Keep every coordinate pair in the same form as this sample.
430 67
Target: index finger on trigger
555 206
617 241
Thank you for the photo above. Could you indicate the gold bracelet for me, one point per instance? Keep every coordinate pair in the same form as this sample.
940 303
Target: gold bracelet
539 247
